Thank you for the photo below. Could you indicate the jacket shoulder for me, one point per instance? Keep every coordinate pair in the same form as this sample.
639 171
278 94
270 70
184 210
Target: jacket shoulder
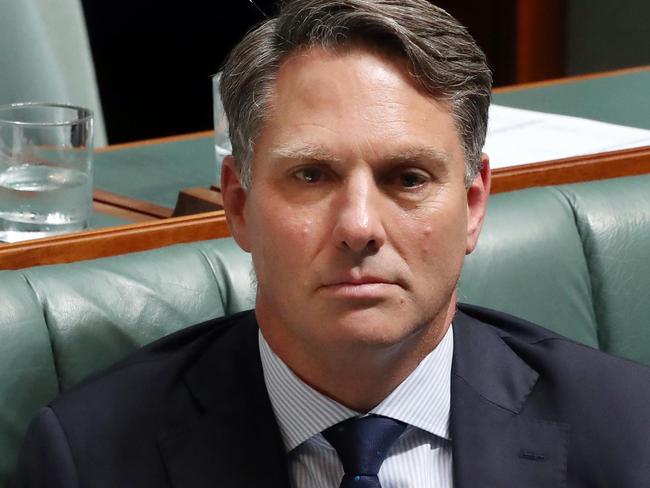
577 373
522 334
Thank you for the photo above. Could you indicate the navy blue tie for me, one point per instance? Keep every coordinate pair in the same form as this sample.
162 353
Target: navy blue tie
362 445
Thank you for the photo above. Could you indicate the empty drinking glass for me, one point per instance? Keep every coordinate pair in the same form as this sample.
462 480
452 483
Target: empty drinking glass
222 146
45 170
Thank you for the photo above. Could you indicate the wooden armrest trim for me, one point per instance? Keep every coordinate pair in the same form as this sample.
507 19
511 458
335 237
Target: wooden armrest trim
112 241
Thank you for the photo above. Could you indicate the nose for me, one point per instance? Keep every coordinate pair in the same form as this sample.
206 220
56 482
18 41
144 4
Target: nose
359 227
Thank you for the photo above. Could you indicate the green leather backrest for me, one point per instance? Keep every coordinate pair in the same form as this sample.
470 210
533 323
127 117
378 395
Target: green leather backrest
98 311
530 262
613 219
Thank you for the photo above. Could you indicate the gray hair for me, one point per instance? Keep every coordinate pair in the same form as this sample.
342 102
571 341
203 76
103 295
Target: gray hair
442 57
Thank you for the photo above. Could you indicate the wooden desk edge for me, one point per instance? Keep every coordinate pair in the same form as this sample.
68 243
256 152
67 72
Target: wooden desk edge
614 164
146 209
112 241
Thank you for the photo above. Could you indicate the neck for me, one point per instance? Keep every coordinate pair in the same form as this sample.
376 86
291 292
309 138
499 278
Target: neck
359 376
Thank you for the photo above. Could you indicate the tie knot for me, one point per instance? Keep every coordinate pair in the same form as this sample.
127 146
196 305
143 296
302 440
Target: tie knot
363 443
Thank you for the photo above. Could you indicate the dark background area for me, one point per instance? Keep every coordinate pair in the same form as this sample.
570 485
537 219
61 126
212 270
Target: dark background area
154 59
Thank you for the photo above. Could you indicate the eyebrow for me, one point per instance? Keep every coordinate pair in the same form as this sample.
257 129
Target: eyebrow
419 154
406 155
307 152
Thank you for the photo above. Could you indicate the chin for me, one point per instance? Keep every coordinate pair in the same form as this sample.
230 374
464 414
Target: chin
373 328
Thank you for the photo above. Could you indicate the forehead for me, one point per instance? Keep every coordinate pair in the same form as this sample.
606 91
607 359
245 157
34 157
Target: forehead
356 100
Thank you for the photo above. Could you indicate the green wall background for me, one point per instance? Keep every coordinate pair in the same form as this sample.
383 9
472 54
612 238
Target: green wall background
607 34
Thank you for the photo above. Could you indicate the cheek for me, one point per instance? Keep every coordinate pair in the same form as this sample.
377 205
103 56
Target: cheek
297 232
439 238
286 243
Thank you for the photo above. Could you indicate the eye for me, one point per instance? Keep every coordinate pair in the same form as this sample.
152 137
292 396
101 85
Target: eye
310 175
412 179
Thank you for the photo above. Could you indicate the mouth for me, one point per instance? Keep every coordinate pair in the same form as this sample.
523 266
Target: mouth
363 287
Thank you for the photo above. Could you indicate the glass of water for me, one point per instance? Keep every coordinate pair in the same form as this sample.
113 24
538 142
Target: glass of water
45 170
222 146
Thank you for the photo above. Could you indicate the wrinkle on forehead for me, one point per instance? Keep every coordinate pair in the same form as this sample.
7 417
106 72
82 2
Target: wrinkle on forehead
354 48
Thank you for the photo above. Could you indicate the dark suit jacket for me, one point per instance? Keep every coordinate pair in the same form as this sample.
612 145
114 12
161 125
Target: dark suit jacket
529 409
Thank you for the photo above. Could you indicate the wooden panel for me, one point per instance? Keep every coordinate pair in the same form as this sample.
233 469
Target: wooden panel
131 204
122 213
600 166
540 39
113 241
196 200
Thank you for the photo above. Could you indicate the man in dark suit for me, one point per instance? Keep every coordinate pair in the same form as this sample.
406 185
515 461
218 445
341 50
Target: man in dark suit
358 184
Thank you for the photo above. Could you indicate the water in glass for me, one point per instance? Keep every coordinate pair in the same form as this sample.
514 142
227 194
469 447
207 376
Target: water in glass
38 201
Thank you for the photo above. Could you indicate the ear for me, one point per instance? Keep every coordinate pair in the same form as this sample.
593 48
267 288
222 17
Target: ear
234 202
477 198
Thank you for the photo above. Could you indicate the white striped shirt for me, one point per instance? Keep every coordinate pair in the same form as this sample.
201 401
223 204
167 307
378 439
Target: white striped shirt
420 458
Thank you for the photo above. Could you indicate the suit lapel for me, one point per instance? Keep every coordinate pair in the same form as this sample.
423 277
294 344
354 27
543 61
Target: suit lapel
231 438
495 445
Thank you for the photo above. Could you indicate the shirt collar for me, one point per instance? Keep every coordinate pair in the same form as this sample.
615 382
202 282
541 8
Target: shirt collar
421 400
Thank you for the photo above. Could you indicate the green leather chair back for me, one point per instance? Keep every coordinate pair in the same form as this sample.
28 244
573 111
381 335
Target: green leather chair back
613 220
530 262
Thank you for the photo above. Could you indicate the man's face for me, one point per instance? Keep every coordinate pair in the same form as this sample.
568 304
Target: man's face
358 218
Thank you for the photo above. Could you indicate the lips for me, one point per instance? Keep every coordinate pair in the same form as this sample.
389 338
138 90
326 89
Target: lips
363 287
351 279
359 280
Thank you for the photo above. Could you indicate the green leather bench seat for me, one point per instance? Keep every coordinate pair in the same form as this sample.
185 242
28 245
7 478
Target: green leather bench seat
575 258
